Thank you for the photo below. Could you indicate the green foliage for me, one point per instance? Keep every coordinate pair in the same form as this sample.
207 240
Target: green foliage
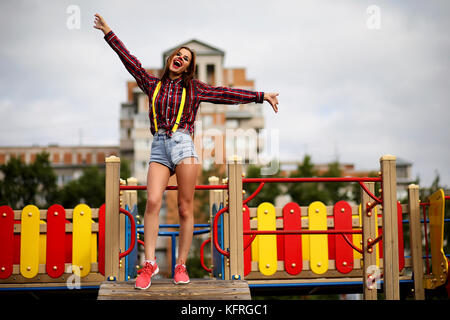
306 193
202 197
25 184
35 183
88 189
125 170
334 190
356 189
267 194
193 263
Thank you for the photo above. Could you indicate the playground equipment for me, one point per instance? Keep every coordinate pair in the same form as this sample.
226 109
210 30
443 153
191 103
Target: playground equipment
261 247
318 245
54 248
61 248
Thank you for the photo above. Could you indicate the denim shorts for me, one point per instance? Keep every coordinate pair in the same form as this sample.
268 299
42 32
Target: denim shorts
169 151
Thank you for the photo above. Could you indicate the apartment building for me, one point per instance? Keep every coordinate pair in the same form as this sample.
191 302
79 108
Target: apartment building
67 162
213 123
213 120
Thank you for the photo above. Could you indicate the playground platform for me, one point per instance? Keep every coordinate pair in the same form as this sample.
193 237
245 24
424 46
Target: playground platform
340 247
165 289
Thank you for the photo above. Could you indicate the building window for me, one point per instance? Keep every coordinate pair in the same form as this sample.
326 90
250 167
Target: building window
208 143
56 158
207 120
100 158
67 158
232 124
233 107
79 158
210 76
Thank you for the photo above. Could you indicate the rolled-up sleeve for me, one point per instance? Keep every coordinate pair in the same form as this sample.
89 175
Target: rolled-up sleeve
131 63
225 95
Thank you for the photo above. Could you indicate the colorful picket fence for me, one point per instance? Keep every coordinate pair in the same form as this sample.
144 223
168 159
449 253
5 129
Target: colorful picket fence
48 245
287 255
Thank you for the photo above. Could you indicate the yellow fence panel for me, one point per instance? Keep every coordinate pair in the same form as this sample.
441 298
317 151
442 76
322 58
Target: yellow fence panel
29 242
268 242
81 249
318 243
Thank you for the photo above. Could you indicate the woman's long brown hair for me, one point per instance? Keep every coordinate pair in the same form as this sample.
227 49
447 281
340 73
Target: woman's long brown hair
188 75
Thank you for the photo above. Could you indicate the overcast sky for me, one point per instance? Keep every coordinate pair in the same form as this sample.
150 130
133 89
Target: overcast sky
357 79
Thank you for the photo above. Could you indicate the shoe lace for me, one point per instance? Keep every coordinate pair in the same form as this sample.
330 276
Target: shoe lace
148 268
180 269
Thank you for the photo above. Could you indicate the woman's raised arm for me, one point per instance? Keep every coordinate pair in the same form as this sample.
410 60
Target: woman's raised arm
272 99
225 95
100 23
131 63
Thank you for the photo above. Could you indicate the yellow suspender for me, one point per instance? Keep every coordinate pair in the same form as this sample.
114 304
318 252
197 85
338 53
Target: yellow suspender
158 86
180 111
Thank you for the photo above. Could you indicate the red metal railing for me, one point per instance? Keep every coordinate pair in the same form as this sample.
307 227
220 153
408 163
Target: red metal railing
322 179
262 181
202 249
198 187
133 233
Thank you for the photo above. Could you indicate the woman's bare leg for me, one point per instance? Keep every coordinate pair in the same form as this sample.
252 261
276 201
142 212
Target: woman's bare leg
157 179
186 173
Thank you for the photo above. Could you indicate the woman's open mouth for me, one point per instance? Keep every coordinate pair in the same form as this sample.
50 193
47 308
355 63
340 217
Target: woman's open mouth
177 63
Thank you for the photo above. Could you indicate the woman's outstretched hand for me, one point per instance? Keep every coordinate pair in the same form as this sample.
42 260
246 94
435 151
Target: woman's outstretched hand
100 24
272 99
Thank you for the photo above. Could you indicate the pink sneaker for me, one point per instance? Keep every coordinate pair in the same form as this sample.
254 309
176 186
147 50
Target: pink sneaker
144 280
181 275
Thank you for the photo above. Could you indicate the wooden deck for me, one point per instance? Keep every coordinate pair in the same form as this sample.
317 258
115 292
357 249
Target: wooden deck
165 289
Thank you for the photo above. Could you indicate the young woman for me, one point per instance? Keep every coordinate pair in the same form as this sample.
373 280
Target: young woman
174 101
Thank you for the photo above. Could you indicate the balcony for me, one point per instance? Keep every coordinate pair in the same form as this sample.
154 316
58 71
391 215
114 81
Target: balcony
238 114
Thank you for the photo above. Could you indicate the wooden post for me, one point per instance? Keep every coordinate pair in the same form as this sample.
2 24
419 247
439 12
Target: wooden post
212 181
236 224
415 235
390 228
132 198
112 218
226 231
122 202
213 200
369 253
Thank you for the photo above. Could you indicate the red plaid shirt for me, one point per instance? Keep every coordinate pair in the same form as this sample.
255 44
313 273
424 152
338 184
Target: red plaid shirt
169 97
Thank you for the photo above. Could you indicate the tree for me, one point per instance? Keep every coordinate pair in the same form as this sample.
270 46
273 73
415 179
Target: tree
25 184
88 189
125 171
327 192
267 194
334 190
305 193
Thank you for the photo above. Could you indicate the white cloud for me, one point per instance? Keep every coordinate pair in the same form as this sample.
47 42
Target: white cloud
343 88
